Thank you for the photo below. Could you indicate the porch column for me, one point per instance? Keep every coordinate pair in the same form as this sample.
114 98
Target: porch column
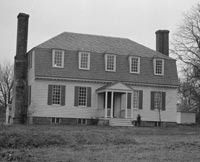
106 103
126 97
132 105
111 115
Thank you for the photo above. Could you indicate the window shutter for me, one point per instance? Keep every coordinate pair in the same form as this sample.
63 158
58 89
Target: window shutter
140 99
49 102
88 96
163 100
129 101
29 95
62 95
76 96
152 100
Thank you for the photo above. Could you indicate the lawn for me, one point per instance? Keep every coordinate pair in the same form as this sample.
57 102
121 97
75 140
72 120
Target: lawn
61 143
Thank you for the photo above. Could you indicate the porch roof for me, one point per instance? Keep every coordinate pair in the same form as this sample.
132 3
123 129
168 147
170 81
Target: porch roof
117 86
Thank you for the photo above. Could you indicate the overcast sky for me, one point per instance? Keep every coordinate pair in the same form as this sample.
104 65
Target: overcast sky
134 19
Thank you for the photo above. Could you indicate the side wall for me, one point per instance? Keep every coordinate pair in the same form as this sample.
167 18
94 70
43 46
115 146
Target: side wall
186 118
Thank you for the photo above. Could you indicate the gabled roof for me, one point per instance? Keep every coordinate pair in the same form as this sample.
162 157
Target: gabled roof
116 86
99 44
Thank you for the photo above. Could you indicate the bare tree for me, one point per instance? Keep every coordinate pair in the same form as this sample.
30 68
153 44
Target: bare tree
186 46
186 41
6 84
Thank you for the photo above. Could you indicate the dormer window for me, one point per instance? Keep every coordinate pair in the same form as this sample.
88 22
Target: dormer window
134 64
58 58
110 62
84 60
158 67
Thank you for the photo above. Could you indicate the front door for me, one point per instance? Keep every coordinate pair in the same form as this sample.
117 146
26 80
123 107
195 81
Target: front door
117 105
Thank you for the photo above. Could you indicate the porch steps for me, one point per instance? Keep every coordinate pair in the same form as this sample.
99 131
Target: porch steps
120 122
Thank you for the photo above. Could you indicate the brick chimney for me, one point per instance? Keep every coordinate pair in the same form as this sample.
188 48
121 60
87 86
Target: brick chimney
162 41
19 105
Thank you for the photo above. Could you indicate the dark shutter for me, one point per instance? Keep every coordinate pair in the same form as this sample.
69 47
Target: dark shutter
109 100
163 100
29 95
129 101
140 99
62 95
49 102
76 96
152 100
88 96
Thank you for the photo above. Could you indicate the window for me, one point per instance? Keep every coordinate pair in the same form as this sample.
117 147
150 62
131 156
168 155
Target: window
82 98
158 100
135 99
55 120
134 64
84 60
58 58
110 62
82 121
158 67
56 94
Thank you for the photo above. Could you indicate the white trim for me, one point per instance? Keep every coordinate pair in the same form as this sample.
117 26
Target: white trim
53 58
103 82
154 65
130 65
88 63
114 64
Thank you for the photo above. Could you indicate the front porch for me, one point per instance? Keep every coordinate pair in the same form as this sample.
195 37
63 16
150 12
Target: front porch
116 101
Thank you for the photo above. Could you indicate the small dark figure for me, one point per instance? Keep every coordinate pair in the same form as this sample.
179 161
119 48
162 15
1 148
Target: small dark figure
138 120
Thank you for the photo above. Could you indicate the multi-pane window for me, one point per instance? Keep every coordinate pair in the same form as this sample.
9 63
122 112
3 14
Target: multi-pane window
134 63
55 120
135 99
158 67
56 94
110 62
84 60
58 58
157 100
82 97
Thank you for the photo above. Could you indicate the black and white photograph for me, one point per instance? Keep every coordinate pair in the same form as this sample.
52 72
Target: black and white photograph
100 81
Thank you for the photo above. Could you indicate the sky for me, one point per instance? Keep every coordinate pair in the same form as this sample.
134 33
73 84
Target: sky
134 19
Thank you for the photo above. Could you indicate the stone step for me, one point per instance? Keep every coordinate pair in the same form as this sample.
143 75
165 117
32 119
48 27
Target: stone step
120 122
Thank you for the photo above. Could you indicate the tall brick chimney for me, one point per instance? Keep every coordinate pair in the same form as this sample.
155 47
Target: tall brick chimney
19 105
162 41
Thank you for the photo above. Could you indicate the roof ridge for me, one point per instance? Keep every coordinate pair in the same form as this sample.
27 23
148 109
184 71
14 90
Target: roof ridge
96 35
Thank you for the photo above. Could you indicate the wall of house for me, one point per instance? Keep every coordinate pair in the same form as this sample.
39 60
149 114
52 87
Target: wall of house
40 108
169 115
186 118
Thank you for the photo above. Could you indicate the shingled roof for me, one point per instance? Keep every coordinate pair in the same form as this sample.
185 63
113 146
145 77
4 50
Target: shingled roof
72 43
99 44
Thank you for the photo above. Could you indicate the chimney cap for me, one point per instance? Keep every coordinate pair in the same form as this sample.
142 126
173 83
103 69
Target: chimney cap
23 15
162 31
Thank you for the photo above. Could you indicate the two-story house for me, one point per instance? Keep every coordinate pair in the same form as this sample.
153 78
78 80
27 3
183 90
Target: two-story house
74 78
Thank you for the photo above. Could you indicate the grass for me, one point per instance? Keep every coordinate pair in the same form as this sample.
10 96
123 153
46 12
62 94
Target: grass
59 143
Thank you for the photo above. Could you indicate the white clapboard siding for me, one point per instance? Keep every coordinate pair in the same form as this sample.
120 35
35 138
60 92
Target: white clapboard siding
39 106
186 118
169 115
